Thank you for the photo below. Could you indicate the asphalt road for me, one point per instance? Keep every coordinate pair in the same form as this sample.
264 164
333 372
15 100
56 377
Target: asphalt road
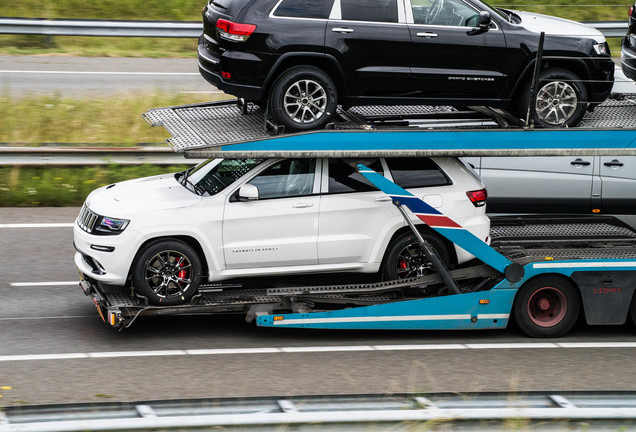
98 76
55 349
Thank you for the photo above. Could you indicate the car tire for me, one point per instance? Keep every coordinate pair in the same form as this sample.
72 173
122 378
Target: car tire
546 307
167 272
561 99
404 258
303 98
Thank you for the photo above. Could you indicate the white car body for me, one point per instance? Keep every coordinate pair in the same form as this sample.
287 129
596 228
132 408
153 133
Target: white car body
315 232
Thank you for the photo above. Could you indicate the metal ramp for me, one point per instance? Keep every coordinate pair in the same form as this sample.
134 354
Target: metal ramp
229 129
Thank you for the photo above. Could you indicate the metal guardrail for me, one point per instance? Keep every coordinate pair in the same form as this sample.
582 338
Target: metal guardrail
166 29
115 28
476 411
40 156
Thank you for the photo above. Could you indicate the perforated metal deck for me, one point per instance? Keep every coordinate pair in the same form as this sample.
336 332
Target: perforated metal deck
217 124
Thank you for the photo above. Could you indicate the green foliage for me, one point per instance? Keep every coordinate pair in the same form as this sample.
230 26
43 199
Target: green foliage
112 120
190 10
57 186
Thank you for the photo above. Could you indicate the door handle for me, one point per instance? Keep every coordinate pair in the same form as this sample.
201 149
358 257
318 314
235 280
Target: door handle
302 205
342 30
580 161
426 35
614 163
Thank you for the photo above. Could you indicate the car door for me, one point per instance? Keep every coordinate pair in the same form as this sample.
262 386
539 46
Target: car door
371 42
353 213
618 184
280 228
447 59
551 184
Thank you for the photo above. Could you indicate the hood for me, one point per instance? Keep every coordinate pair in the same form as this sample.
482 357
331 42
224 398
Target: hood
161 192
554 26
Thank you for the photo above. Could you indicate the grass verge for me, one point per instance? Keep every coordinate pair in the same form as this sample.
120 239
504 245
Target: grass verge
190 10
58 186
112 120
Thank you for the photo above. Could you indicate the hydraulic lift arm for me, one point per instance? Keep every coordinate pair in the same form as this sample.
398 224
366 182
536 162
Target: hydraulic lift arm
444 225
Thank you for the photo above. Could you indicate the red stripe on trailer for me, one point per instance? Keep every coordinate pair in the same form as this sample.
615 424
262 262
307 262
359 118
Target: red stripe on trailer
438 221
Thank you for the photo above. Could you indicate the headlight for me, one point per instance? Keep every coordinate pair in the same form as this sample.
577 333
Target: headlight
108 225
602 49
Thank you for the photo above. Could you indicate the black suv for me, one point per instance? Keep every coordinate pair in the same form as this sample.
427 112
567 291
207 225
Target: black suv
302 58
628 49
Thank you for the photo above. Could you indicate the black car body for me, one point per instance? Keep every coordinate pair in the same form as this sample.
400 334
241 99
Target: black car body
303 57
628 48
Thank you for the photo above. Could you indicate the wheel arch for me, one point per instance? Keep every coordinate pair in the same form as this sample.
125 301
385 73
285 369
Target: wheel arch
189 240
324 62
450 246
575 65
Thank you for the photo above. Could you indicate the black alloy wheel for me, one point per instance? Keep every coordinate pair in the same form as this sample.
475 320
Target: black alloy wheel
404 257
167 273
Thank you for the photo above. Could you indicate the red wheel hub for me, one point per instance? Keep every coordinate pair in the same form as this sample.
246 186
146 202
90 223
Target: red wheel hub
547 307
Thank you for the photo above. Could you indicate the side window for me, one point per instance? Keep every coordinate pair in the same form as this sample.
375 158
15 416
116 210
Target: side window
343 176
416 172
369 10
318 9
288 178
444 13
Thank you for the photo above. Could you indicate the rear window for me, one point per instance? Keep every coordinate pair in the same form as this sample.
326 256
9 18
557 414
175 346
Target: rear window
343 176
317 9
416 172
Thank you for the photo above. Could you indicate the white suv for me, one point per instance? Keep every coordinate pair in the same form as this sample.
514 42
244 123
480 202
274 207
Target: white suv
237 218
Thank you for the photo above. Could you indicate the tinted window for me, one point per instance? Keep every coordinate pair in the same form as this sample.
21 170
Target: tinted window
304 8
214 175
291 177
369 10
343 176
416 172
446 13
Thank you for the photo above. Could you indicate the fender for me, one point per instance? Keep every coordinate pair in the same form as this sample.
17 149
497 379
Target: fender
528 70
274 73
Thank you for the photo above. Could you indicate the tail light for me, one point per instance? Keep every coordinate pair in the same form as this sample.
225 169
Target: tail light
235 32
478 197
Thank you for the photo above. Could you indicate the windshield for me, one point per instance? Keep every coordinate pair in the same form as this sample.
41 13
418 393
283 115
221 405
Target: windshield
214 175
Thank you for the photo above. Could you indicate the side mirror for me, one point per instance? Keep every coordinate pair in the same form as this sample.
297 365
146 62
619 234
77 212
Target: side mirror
247 192
483 23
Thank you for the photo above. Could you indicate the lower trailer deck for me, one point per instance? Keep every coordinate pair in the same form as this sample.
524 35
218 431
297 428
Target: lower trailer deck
523 240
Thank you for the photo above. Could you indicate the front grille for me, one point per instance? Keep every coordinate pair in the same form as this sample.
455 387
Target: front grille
87 219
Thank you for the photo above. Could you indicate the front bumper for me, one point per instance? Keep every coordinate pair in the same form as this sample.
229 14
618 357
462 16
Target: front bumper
106 259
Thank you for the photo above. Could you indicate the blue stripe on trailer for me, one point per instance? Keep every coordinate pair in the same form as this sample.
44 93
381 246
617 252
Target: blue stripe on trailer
512 142
454 232
480 310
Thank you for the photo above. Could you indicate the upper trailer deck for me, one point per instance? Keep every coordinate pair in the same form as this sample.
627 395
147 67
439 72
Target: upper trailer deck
229 129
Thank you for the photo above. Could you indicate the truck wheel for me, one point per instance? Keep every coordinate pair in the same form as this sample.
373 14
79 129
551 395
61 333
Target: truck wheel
404 258
303 98
561 99
167 272
546 307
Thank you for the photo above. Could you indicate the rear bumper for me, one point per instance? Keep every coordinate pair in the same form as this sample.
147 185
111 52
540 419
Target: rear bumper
210 68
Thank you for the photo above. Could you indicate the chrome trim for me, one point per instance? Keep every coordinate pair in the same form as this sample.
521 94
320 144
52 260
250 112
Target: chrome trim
205 57
87 219
427 35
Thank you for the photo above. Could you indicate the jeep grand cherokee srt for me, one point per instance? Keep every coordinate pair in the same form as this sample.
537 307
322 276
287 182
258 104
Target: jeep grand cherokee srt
302 58
250 218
